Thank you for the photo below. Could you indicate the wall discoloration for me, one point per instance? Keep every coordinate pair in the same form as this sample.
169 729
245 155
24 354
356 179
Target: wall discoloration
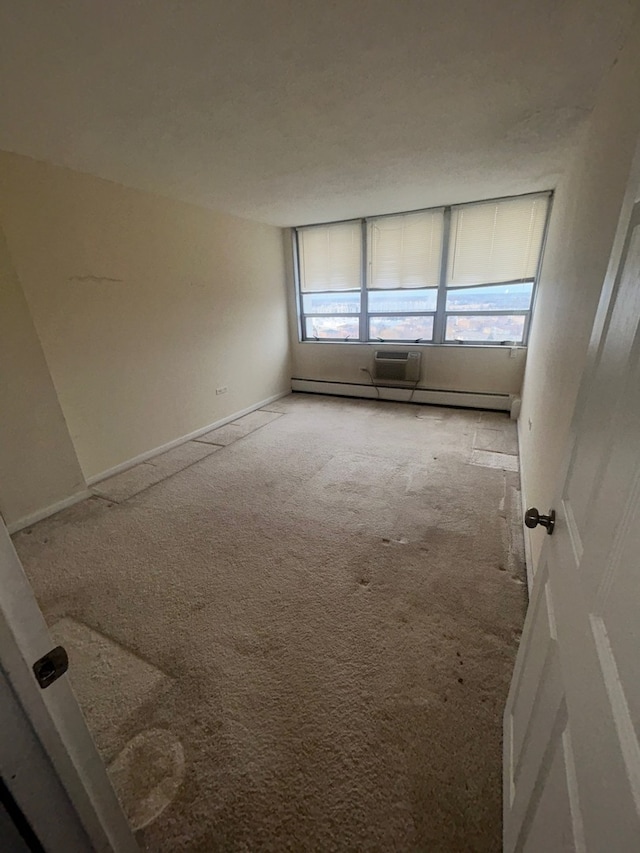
95 279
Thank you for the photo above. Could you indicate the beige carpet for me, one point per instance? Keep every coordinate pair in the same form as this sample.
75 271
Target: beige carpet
303 640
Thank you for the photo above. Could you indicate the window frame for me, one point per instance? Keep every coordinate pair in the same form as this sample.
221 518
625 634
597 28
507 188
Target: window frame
440 314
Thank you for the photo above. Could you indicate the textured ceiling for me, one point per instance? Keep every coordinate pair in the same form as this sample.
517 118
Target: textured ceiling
295 112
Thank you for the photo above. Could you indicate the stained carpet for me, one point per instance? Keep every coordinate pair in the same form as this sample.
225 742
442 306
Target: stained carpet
303 640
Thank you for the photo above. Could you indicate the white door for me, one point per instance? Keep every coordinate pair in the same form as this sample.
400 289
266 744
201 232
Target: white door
53 777
572 721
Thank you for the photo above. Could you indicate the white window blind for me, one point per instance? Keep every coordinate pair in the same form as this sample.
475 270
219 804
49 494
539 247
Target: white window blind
496 241
405 250
330 257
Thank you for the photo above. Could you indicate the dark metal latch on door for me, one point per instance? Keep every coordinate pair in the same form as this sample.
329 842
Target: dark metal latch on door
50 667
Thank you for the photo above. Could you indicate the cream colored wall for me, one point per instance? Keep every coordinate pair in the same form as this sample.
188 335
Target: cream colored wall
477 369
38 464
486 370
144 306
585 214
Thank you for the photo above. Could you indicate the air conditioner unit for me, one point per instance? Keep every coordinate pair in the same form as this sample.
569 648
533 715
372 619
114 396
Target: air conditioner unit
396 366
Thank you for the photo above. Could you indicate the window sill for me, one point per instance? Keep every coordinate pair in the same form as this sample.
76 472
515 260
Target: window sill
407 344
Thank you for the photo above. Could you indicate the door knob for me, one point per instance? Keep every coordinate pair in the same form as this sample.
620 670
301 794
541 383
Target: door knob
532 518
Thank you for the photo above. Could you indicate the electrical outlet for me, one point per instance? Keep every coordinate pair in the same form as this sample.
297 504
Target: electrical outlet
222 390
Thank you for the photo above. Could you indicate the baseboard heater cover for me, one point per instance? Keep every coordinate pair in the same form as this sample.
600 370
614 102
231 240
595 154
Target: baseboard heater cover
463 399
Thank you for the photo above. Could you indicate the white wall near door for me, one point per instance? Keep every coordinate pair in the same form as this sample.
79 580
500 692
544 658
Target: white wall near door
583 223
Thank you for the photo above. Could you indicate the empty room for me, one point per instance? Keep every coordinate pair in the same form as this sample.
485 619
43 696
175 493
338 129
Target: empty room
319 426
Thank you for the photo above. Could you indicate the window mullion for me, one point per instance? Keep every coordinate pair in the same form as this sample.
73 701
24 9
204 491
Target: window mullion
440 321
297 284
364 283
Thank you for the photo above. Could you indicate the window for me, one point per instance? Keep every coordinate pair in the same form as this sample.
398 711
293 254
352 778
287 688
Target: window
462 274
330 274
404 273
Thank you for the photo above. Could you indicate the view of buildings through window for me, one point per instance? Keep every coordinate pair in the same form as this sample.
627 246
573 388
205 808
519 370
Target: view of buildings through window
460 327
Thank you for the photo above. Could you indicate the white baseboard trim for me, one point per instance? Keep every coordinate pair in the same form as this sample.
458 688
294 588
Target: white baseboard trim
466 399
41 514
527 533
156 451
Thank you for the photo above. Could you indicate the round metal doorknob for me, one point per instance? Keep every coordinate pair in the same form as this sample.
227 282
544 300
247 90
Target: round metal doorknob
532 518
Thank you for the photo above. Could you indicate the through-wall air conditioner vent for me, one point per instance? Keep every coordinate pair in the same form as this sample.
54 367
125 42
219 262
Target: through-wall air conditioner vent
396 366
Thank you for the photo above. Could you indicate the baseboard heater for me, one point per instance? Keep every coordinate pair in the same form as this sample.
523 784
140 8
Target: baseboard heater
462 399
